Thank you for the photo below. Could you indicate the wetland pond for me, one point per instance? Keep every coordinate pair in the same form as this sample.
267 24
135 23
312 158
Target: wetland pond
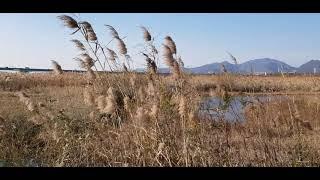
233 108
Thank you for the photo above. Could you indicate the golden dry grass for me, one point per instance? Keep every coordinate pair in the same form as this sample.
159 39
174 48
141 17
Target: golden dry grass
260 84
75 134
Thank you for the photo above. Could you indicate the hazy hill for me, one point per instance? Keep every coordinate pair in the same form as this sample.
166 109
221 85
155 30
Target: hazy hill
309 67
266 65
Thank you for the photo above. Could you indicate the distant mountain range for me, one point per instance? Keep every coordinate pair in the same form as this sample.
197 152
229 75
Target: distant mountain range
258 66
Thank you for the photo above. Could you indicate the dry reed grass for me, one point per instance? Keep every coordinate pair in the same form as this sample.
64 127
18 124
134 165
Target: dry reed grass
130 119
150 130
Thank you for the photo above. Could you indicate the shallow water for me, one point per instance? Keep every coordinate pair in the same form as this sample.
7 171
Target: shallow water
233 110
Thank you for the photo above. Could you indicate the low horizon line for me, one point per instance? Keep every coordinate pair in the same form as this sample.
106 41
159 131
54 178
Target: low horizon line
75 69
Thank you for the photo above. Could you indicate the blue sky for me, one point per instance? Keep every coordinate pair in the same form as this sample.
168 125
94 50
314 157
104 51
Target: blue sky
34 39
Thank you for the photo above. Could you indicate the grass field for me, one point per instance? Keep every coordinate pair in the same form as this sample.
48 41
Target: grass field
61 120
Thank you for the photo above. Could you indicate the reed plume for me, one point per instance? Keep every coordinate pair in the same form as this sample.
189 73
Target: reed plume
167 55
180 62
233 59
125 67
128 57
169 50
146 34
88 31
112 56
69 22
56 67
113 32
151 65
81 63
86 61
91 35
223 68
121 46
85 25
78 44
154 49
171 44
